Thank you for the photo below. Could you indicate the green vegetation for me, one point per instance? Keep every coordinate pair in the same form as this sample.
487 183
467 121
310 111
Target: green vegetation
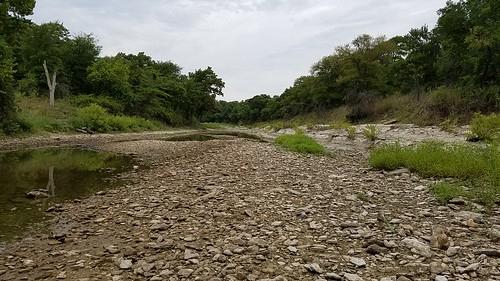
426 76
300 143
485 127
476 167
130 87
216 125
96 118
351 132
371 132
440 75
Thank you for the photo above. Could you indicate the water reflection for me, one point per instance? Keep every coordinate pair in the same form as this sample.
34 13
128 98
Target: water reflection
29 180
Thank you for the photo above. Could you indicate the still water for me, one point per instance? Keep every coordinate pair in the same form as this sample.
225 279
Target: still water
30 180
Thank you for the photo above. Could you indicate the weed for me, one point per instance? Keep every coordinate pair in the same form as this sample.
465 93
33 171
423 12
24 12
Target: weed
351 132
371 132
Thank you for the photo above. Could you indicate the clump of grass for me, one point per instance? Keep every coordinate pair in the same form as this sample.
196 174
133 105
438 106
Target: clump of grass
473 166
371 132
342 124
449 125
300 143
445 191
485 127
351 132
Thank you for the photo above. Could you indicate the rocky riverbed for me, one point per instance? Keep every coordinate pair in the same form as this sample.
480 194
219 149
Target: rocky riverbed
239 209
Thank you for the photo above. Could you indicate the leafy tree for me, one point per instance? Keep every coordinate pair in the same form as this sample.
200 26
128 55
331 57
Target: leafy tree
200 90
12 17
110 76
12 22
45 42
6 81
414 69
80 53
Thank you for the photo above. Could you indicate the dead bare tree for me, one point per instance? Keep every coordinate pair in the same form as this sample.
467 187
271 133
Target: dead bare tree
50 83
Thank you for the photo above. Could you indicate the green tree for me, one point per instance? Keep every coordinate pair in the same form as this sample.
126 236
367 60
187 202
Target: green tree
12 17
414 68
110 76
45 42
80 53
12 22
6 81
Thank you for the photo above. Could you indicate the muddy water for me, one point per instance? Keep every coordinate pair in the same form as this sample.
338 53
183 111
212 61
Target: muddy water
49 176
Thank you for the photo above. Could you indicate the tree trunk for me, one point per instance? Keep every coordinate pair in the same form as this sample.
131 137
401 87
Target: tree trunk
51 84
51 186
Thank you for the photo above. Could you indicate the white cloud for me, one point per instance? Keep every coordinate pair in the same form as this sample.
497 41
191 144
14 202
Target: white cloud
256 46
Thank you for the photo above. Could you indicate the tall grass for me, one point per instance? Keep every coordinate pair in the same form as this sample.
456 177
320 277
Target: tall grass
300 143
476 167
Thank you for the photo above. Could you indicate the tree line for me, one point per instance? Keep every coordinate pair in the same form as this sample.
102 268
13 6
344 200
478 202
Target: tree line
456 63
32 56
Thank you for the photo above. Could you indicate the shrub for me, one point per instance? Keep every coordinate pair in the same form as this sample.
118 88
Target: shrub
301 143
111 105
96 118
485 127
371 132
351 132
93 117
15 125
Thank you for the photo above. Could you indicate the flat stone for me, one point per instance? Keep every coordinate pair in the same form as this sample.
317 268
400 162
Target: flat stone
333 276
124 263
185 272
314 268
188 254
488 252
358 262
417 246
352 277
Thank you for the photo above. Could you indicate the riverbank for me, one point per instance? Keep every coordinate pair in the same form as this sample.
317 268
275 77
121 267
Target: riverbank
237 209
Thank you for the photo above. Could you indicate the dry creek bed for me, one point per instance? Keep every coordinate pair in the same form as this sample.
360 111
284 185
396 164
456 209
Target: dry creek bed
237 209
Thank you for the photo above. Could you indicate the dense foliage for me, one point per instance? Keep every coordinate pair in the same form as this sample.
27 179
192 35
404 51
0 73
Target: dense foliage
124 84
455 65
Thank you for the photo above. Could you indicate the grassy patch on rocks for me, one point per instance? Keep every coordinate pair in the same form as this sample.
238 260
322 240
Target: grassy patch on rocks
474 170
300 143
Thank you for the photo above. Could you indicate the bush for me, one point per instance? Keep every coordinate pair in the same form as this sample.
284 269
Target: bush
15 125
111 105
371 132
301 143
96 118
485 127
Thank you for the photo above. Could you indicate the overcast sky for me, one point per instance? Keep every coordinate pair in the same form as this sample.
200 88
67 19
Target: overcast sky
256 46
